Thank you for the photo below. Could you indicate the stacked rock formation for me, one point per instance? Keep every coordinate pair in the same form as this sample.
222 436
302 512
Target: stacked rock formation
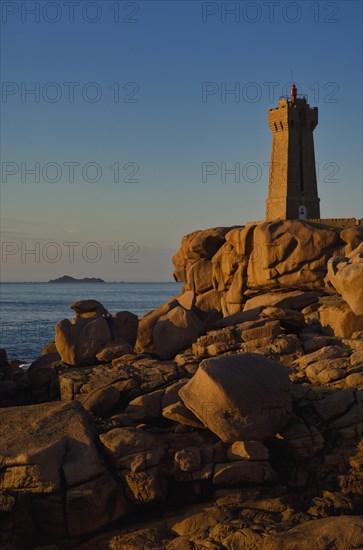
230 417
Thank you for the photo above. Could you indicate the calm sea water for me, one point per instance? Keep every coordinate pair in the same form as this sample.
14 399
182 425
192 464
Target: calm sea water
29 311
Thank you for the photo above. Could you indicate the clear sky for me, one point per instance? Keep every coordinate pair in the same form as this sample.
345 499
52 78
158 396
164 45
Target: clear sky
130 115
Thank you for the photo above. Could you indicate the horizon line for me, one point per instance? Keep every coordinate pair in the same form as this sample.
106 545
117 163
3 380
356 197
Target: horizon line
80 281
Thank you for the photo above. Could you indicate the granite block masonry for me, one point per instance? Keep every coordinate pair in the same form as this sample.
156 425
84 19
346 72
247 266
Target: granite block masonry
292 190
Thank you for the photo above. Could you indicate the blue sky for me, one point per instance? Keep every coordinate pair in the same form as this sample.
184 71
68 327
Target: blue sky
139 108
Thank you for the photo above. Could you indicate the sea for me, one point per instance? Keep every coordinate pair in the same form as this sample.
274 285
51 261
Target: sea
30 311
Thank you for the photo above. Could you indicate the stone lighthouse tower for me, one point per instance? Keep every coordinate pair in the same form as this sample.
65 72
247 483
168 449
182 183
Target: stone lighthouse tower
292 192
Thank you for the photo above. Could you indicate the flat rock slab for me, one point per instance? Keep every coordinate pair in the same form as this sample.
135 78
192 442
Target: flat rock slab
240 397
251 315
178 412
295 299
132 377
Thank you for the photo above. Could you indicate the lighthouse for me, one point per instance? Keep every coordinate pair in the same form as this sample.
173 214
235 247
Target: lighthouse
292 192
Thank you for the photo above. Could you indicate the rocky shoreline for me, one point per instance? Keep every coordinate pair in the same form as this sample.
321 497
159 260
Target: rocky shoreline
229 418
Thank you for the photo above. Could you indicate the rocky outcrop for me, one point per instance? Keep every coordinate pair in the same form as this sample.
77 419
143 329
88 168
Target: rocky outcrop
288 254
78 343
144 439
146 326
49 453
174 326
229 417
281 263
94 331
199 245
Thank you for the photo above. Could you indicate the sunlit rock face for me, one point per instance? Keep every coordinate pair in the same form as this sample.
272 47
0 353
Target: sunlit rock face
240 397
346 276
234 405
289 259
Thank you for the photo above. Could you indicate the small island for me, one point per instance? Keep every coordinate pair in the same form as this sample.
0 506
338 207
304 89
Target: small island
69 279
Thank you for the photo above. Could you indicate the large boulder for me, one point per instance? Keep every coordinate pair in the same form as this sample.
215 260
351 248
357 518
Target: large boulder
201 244
125 325
234 294
240 397
346 276
175 331
285 254
78 343
353 236
206 242
224 265
101 401
209 301
122 442
113 349
146 326
230 265
199 276
338 319
44 369
49 452
290 254
88 308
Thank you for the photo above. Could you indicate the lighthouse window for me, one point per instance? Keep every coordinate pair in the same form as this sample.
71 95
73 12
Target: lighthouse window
275 126
281 125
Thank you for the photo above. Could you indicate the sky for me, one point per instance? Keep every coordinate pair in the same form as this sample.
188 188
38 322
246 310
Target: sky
120 121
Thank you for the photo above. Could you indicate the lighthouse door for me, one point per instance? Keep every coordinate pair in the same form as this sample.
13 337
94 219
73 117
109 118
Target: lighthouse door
302 212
